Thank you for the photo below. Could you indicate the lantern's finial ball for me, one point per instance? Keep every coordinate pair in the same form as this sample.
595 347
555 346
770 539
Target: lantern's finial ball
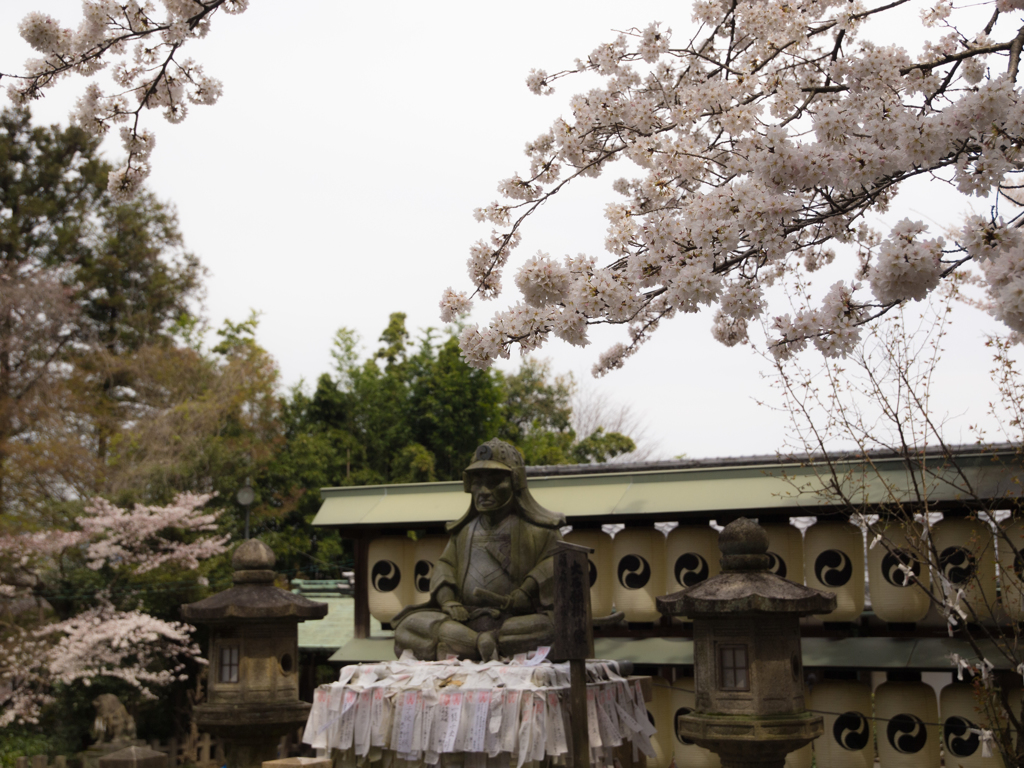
253 555
743 537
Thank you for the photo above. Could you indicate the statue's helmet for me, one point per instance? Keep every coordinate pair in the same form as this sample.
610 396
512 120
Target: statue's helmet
497 455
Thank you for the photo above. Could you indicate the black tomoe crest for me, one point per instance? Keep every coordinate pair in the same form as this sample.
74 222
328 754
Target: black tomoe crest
851 731
907 734
691 569
959 737
957 564
892 572
592 572
385 576
833 568
421 575
634 572
679 713
776 564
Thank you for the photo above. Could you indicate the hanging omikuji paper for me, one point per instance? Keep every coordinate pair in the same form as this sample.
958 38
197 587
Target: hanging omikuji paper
493 714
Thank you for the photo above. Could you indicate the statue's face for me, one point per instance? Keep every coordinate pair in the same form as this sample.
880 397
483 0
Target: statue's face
491 489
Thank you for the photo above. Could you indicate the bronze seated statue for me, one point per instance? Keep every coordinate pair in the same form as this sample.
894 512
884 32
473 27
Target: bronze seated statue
492 590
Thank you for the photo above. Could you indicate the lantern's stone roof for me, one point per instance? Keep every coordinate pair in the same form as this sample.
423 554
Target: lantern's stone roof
745 584
254 598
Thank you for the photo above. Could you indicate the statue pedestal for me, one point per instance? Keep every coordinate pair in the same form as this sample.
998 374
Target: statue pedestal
90 757
467 713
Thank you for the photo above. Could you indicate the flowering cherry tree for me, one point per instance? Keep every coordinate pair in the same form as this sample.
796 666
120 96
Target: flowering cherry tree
762 147
105 640
141 46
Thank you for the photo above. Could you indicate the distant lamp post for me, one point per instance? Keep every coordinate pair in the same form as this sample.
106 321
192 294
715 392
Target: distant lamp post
246 496
746 653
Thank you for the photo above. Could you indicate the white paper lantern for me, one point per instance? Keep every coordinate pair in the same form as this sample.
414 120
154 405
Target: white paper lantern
834 562
967 561
426 553
685 752
785 551
1011 568
389 579
602 579
662 714
845 707
692 556
801 758
639 555
895 596
907 736
960 718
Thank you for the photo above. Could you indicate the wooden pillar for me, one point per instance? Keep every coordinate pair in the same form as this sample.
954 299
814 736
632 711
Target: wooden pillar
361 611
574 638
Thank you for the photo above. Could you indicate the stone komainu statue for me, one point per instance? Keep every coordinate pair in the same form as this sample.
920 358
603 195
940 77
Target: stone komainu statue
492 590
112 723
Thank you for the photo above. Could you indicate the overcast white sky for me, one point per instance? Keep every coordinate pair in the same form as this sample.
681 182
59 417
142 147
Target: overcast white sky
335 181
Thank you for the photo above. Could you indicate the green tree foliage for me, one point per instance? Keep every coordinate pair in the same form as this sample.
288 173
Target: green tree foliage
409 412
85 284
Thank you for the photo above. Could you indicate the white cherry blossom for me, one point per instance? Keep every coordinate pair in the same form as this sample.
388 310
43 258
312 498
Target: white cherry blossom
753 157
139 43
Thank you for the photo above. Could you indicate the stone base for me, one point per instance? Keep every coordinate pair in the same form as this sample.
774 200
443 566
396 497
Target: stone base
251 731
750 741
90 758
251 720
299 762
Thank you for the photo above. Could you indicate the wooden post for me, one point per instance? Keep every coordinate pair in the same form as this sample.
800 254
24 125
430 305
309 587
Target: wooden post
204 749
574 638
361 609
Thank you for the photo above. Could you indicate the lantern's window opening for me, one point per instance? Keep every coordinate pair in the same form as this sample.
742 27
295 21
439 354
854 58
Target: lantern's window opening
732 668
229 664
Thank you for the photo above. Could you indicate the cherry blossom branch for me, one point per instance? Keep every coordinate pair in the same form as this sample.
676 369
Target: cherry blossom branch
776 131
151 75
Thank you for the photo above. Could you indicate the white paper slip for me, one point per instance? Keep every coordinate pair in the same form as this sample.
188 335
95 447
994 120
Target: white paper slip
526 730
480 709
334 698
318 715
510 716
539 655
539 738
405 722
452 705
346 674
348 719
593 727
380 712
607 718
556 726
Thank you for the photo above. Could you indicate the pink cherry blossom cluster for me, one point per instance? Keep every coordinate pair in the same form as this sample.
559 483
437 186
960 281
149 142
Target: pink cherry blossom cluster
132 537
760 147
140 46
131 646
103 641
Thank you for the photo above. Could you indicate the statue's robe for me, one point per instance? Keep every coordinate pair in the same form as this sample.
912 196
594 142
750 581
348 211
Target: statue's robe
499 560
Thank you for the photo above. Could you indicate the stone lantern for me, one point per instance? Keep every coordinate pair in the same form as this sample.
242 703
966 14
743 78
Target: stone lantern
253 683
746 655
